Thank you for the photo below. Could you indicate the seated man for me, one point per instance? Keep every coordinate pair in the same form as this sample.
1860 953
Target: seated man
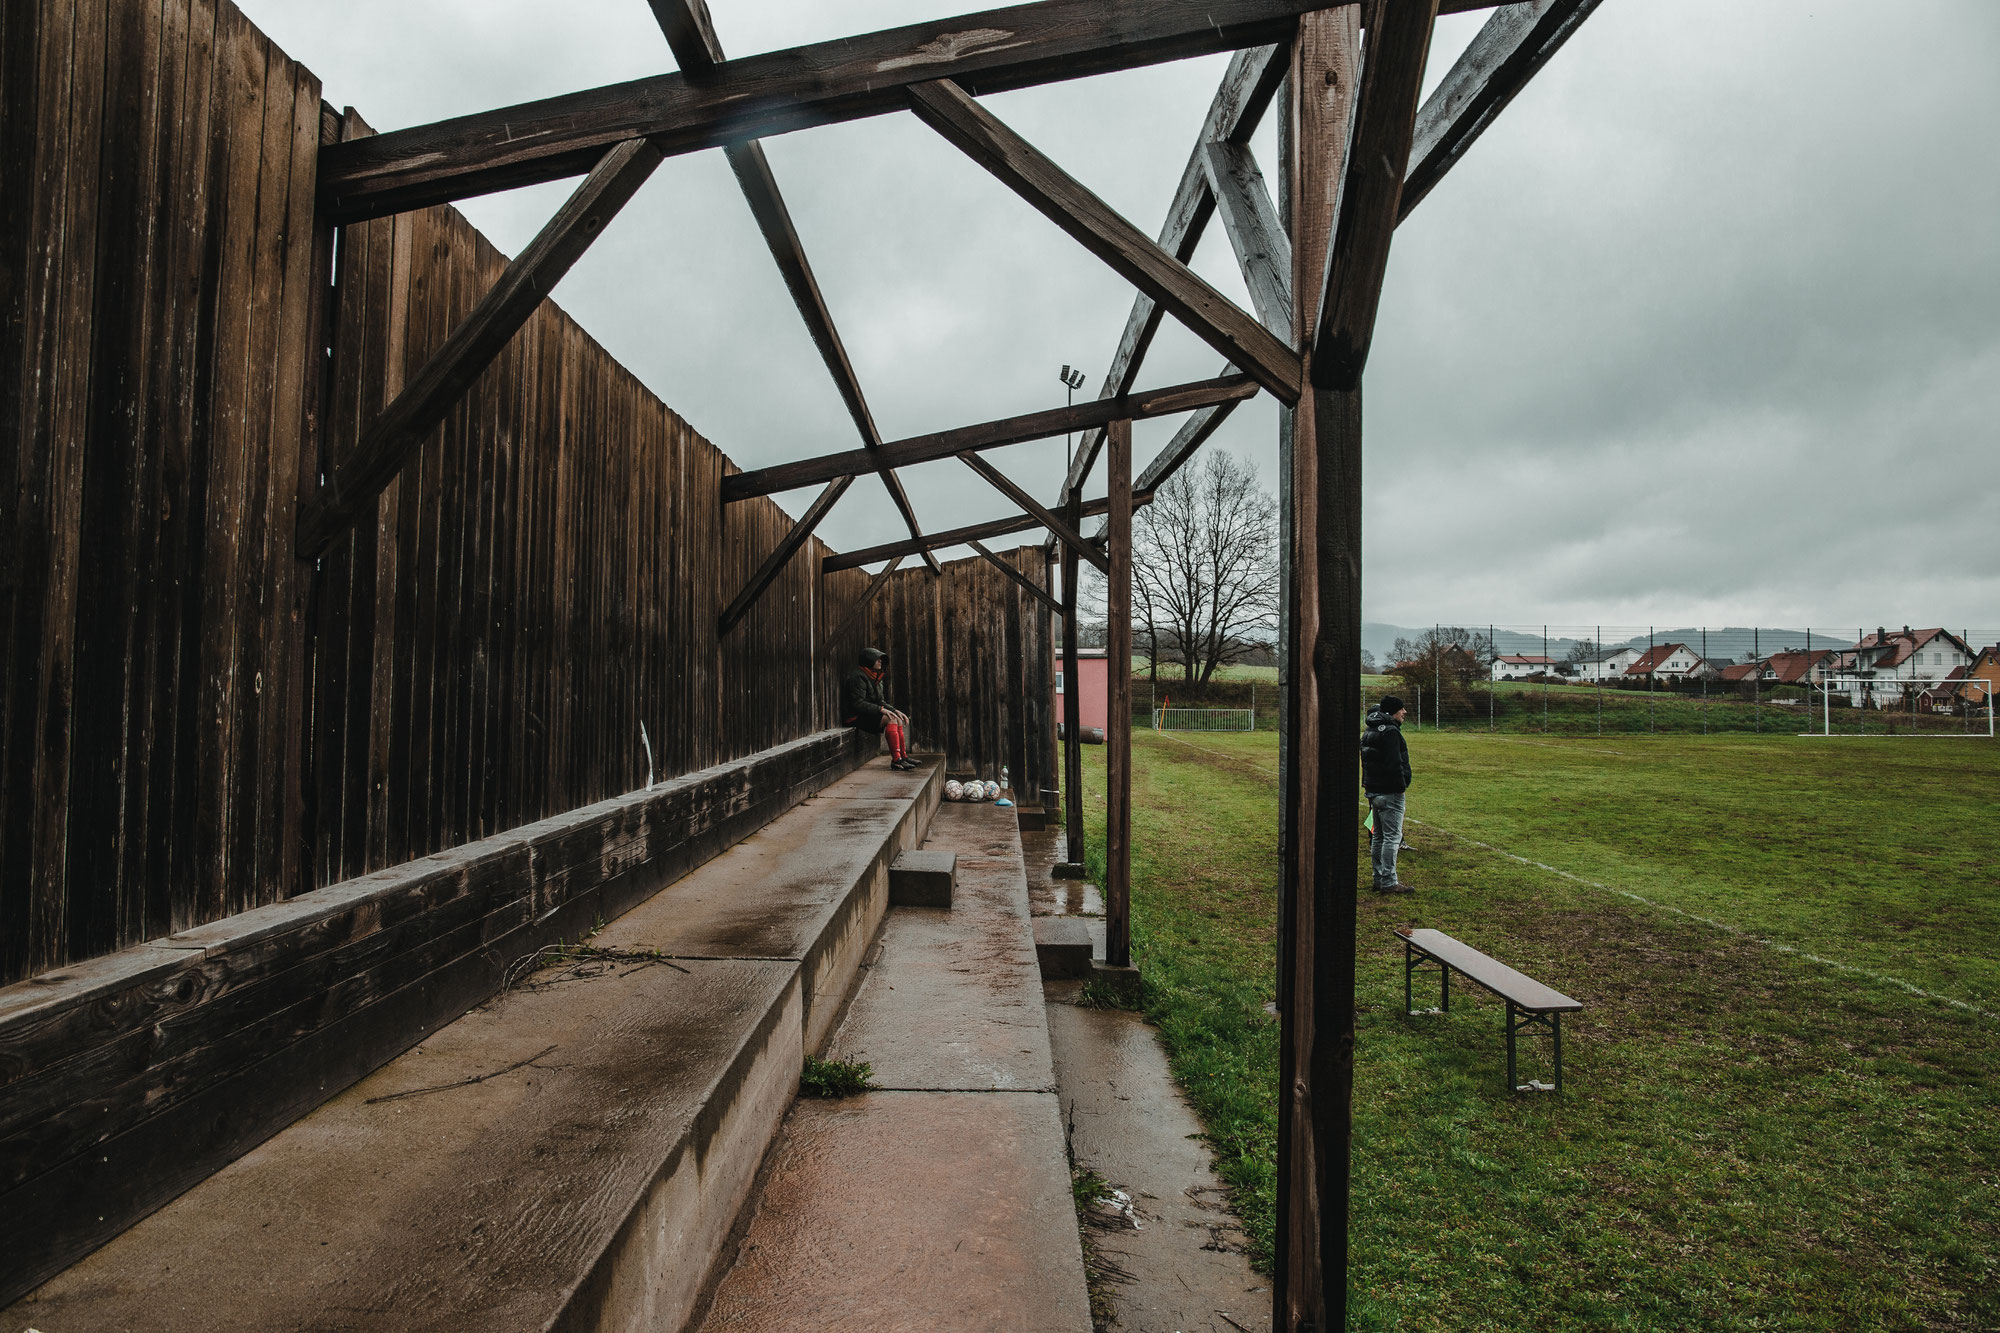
863 706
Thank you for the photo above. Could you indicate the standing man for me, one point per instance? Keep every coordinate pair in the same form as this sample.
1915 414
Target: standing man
863 706
1385 776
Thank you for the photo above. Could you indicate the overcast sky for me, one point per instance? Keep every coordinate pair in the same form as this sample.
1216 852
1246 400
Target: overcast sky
1706 328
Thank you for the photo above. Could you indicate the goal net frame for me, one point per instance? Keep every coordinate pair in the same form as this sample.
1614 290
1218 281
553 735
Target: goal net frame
1205 719
1904 691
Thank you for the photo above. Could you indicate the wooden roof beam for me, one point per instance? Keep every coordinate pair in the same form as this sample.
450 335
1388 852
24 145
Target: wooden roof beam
774 563
848 78
1510 49
428 398
1040 425
1018 577
1239 104
1385 119
1007 487
861 603
690 33
937 541
1060 197
1256 234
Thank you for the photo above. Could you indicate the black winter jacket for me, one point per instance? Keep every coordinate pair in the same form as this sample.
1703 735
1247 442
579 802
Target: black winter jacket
1385 759
861 698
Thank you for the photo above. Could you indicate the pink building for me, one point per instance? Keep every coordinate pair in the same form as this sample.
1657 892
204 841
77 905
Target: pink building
1092 686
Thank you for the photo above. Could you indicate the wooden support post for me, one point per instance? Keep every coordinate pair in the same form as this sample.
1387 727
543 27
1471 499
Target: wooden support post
1319 544
1357 255
1118 701
1072 779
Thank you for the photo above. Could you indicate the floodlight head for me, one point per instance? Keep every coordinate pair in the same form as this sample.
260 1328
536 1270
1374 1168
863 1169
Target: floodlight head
1065 373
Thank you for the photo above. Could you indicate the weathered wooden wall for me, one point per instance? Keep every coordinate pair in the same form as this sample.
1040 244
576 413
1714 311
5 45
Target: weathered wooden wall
156 291
540 581
192 722
969 661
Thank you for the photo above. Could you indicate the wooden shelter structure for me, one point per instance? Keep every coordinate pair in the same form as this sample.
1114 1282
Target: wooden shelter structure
349 275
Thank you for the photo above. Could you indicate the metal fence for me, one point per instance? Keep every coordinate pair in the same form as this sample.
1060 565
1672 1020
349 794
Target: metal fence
1621 680
1205 719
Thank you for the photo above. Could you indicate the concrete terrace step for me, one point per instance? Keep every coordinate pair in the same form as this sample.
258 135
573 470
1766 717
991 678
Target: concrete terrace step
568 1156
941 1199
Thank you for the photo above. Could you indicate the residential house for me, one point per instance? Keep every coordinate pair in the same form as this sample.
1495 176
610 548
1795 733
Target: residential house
1981 680
1882 666
1607 665
1793 667
1518 667
1738 672
1669 661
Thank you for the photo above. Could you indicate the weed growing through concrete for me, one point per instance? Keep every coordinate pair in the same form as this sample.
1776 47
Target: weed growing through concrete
834 1078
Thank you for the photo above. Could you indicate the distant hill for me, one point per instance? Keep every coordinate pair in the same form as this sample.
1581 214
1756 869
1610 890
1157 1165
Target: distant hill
1737 642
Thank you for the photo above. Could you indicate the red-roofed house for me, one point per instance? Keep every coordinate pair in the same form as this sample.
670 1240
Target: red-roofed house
1669 661
1796 668
1884 664
1741 671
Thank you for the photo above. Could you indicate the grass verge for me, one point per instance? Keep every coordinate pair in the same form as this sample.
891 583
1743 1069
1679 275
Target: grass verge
1748 1138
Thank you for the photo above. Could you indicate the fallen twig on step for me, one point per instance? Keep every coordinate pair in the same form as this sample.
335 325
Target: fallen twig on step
462 1083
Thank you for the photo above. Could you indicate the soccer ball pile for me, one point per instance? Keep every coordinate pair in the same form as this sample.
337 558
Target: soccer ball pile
975 790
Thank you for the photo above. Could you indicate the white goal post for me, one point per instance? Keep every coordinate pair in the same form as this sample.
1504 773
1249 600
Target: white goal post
1931 706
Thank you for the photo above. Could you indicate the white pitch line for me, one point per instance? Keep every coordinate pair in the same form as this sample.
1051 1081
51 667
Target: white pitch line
1778 945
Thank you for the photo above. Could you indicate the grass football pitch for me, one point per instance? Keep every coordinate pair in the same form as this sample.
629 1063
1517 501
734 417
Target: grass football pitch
1781 1103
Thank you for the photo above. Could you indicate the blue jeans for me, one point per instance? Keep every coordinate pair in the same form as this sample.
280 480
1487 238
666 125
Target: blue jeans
1387 835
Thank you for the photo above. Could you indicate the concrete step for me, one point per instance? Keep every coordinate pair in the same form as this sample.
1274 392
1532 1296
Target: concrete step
1031 818
941 1199
1063 946
922 879
571 1155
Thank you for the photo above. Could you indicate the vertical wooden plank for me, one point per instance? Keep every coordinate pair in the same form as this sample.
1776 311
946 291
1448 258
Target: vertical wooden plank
101 905
1118 701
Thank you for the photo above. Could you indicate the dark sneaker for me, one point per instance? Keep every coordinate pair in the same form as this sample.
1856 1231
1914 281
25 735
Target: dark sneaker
1394 888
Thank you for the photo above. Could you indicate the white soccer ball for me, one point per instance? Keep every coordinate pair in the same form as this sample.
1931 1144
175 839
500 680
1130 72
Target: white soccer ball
975 790
992 791
954 791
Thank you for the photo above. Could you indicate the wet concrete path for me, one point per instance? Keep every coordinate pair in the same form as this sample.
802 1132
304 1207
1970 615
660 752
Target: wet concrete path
941 1199
1169 1254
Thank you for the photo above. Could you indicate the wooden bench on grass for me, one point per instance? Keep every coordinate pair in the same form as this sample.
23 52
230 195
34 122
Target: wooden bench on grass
1529 1002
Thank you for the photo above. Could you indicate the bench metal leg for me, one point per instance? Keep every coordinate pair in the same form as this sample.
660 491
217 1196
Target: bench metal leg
1444 994
1409 966
1518 1021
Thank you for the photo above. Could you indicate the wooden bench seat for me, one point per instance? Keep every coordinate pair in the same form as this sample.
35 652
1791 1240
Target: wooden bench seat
1529 1002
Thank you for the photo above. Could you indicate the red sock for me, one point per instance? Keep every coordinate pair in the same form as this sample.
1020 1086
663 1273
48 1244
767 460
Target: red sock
894 731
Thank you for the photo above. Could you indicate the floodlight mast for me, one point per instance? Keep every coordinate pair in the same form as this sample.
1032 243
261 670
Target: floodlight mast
1072 381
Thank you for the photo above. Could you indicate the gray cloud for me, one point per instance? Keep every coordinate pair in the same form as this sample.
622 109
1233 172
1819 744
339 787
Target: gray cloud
1703 328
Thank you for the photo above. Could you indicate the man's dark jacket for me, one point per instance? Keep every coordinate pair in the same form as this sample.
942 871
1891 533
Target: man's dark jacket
861 699
1385 759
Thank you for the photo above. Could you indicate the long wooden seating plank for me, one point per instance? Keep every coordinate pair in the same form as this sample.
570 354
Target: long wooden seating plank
1525 992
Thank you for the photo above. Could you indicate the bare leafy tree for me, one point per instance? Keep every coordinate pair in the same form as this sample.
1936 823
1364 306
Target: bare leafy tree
1205 566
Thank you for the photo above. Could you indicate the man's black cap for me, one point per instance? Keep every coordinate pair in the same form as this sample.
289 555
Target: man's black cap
1390 704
